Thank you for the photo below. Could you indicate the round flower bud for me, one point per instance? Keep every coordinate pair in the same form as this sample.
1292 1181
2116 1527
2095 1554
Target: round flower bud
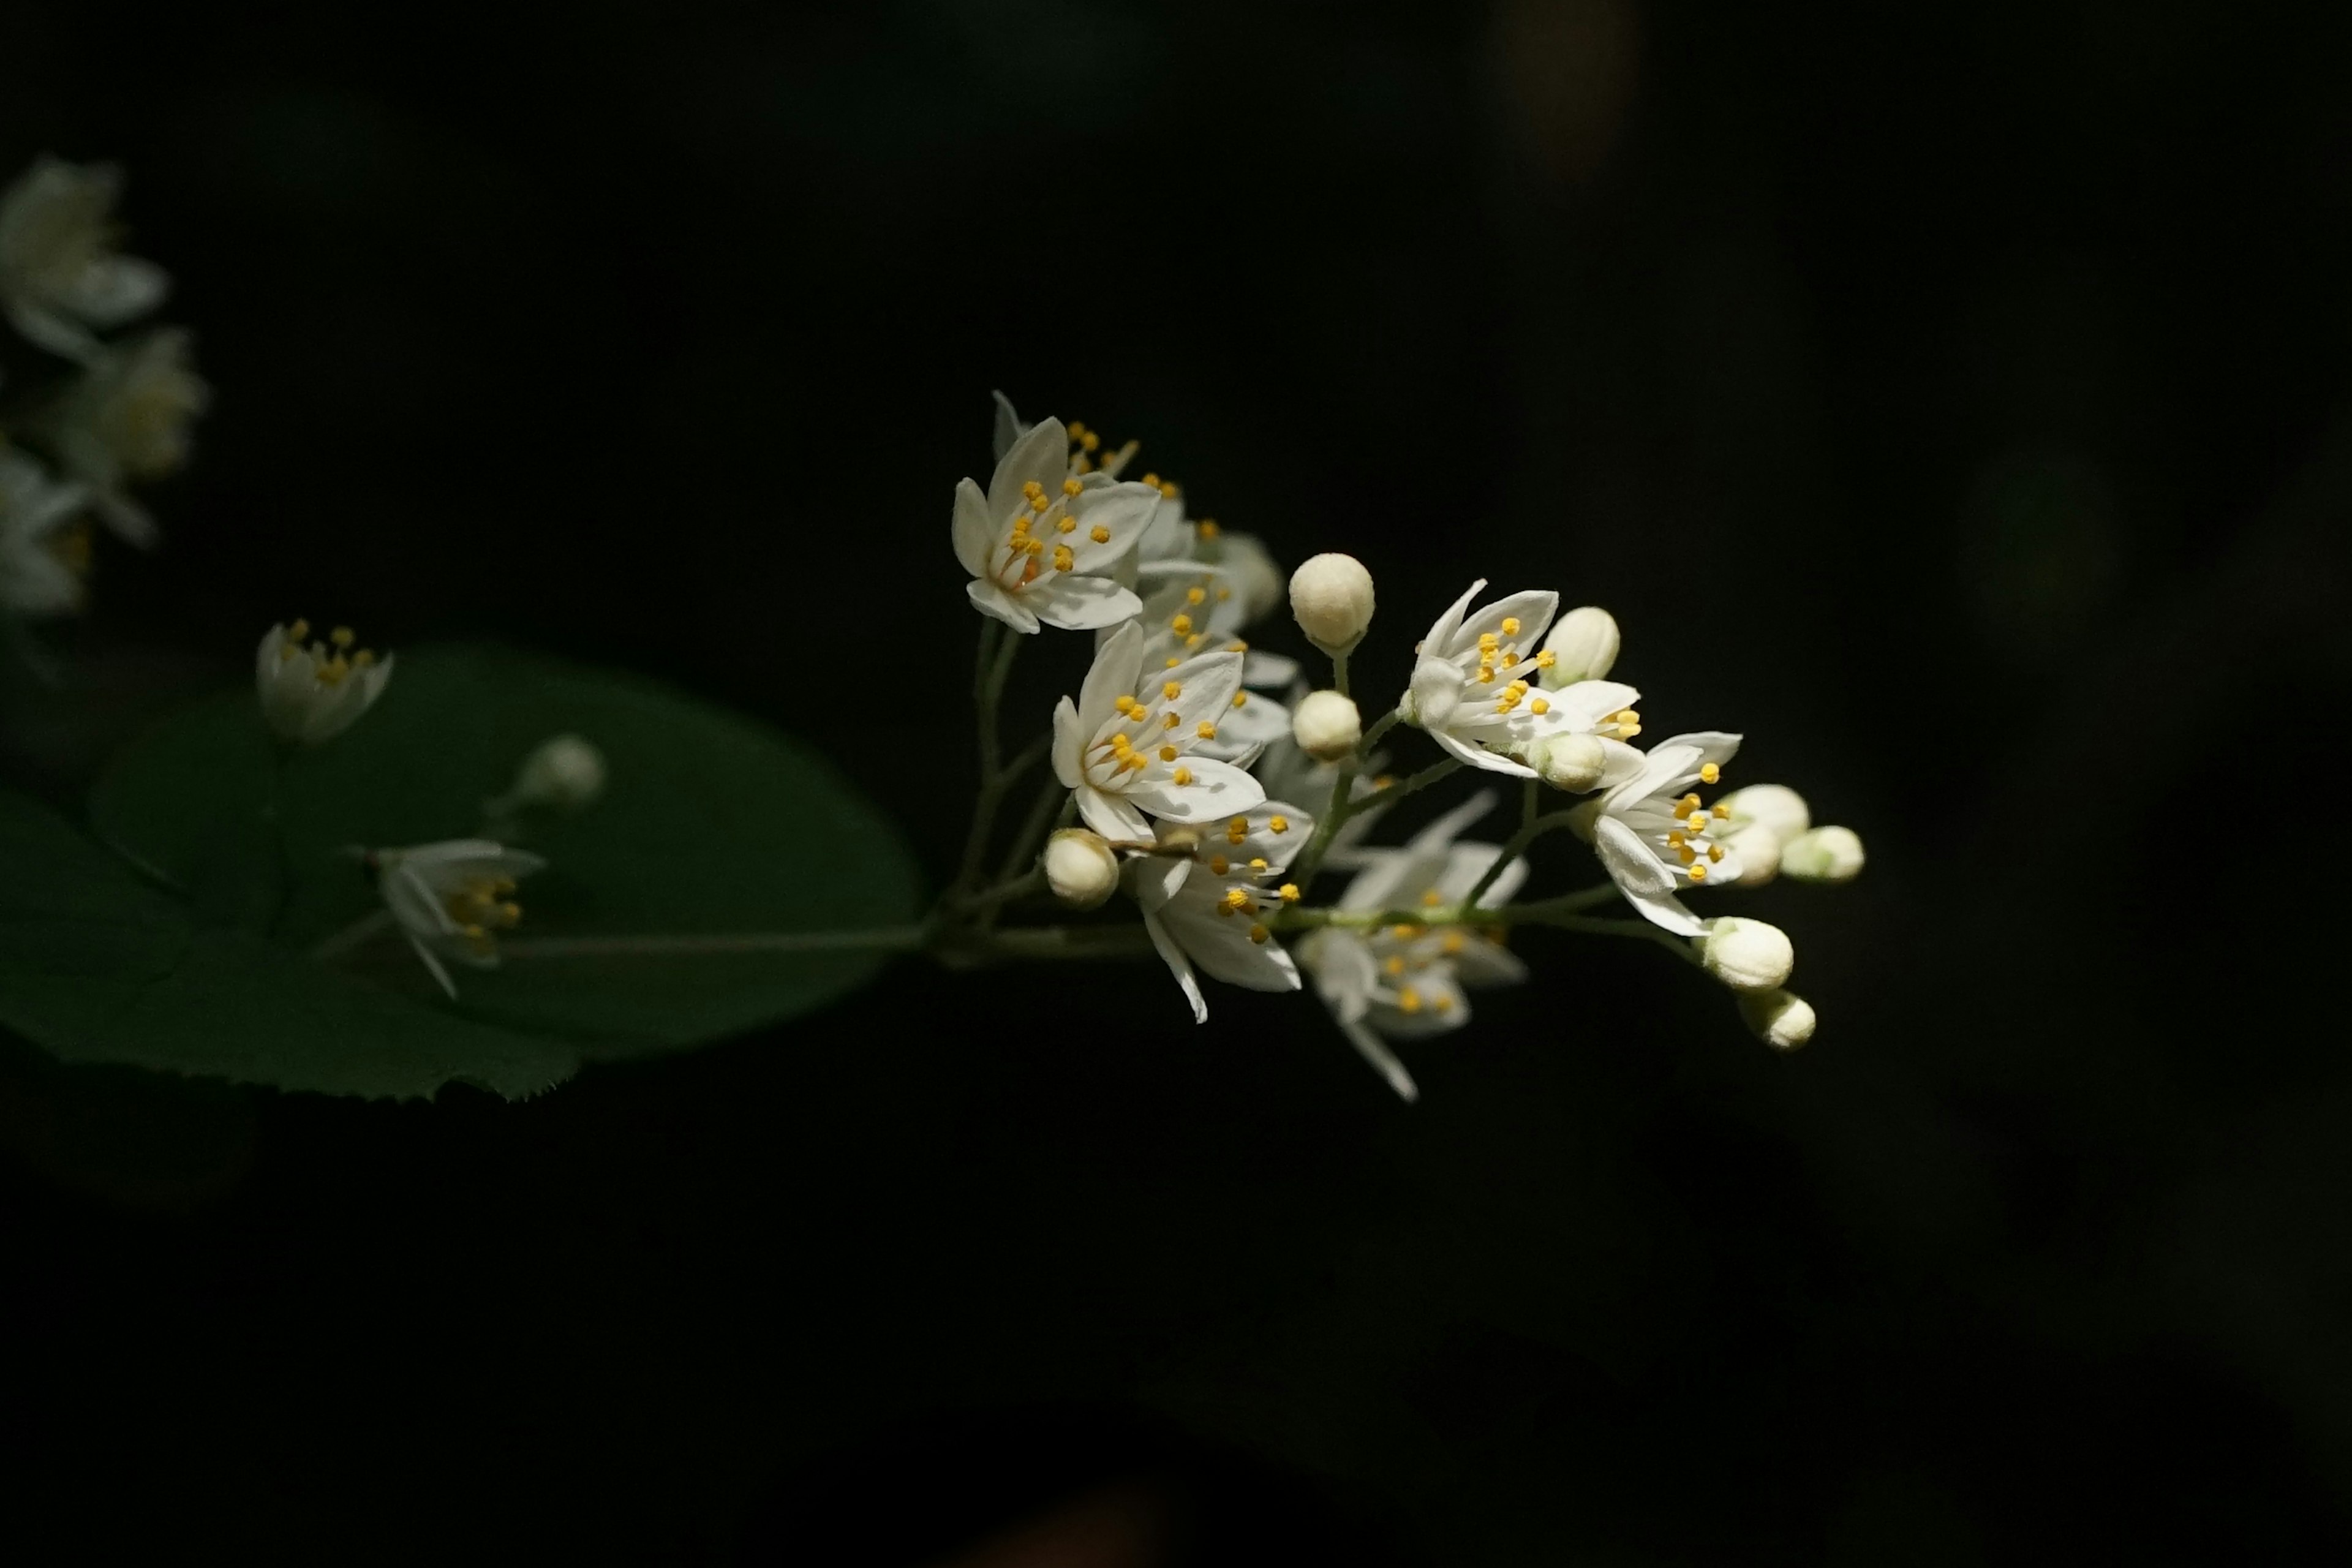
1326 726
1759 853
566 772
1781 1019
1080 868
1583 645
1745 954
1776 806
1574 763
1331 596
1824 855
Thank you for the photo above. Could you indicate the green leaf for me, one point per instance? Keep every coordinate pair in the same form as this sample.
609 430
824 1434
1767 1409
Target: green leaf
96 967
711 824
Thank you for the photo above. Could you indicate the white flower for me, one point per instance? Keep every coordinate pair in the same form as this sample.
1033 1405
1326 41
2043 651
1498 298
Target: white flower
1208 906
1040 543
1405 981
1473 688
310 695
1654 836
1331 598
1196 613
448 898
1326 726
126 419
1130 743
1764 818
566 772
59 275
1080 868
44 542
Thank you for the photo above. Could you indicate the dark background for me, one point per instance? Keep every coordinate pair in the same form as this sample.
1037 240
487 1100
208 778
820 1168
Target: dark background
1954 401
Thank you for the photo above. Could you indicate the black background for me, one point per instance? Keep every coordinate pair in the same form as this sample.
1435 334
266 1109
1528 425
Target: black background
1952 399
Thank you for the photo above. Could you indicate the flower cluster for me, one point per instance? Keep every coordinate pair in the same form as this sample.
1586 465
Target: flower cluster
1215 806
118 411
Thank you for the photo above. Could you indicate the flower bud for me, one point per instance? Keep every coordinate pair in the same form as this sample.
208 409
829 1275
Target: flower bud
1776 806
1759 853
1574 763
1583 645
1745 954
1781 1019
1824 855
1080 868
1326 726
1331 596
566 772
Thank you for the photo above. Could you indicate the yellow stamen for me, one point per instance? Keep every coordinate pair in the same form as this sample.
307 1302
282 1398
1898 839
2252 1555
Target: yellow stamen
1239 698
1698 873
1099 533
1194 596
1180 624
297 631
1259 933
1278 824
1236 830
1237 898
1539 706
1453 942
1219 865
1431 899
1168 753
1510 626
1708 773
1408 999
1071 487
1206 730
342 636
1182 775
1395 964
1172 691
1209 529
1169 721
1404 932
1288 892
1546 659
1066 523
1063 559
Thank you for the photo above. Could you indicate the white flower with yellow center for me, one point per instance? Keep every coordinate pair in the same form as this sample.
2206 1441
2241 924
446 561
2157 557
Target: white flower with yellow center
1040 543
1208 894
1132 742
1655 837
45 543
59 275
1198 614
312 694
1475 686
449 898
126 420
1406 982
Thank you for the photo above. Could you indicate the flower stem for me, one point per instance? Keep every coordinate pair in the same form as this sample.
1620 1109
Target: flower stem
998 647
1339 673
1531 827
885 939
1380 726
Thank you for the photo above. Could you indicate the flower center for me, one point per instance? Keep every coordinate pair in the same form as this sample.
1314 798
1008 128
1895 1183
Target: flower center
479 906
331 662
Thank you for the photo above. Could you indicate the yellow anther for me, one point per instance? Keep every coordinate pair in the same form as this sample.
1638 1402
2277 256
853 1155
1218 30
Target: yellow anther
1078 430
1431 899
1170 663
1099 533
1627 716
1708 773
1404 932
1090 441
1168 489
1698 873
1546 659
1688 803
1258 863
1697 821
332 672
1237 898
475 934
1386 781
1627 731
1408 999
1486 676
1021 527
1209 529
1151 479
1510 626
1182 777
1278 822
1236 830
342 636
1487 640
1509 659
1179 623
1032 488
1224 594
1395 964
1063 559
297 631
1539 706
1685 854
1259 933
1035 546
1071 487
1288 892
1168 753
1066 523
287 651
1194 596
1172 691
1715 851
1240 698
1453 942
1122 704
1220 864
1722 813
1206 730
1442 1003
1237 646
1169 721
363 658
1674 839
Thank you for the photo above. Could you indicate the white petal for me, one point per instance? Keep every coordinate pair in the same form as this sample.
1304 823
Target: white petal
113 290
1222 945
1041 454
1441 635
1715 746
1009 426
439 973
1218 789
973 528
1660 768
1269 670
1479 756
1112 816
1080 604
1383 1060
1588 702
1177 965
992 600
1646 884
1121 511
1116 667
1069 744
1533 608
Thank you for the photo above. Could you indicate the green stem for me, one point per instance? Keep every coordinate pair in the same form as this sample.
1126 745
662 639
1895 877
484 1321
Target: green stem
1380 726
1004 892
1339 673
998 647
1531 827
886 939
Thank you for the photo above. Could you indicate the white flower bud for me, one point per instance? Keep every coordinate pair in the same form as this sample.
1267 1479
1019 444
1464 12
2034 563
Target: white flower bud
1331 596
1574 763
1759 853
566 772
1776 806
1435 693
1583 645
1781 1019
1745 954
1824 855
1326 726
1080 868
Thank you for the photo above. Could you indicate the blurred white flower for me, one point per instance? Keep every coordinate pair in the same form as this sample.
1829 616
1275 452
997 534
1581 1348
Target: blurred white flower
564 772
1473 688
448 899
312 694
1132 742
45 543
126 419
1208 906
60 274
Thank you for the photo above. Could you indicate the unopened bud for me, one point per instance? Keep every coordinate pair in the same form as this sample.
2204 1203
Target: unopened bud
1776 806
1745 954
1574 763
1331 596
1326 726
1823 854
1080 868
1759 853
1781 1019
566 772
1583 644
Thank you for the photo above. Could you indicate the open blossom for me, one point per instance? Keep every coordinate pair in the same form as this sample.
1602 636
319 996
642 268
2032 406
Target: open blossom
1405 981
1475 687
312 694
59 275
1200 614
1040 543
1131 744
126 420
448 899
1654 836
44 541
1207 894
